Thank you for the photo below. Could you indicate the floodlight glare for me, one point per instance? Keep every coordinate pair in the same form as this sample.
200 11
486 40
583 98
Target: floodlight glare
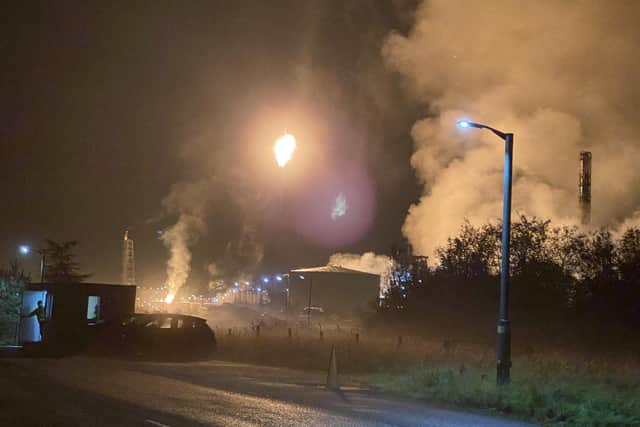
24 249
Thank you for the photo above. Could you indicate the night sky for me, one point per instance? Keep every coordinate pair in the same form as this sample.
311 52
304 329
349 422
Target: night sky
110 108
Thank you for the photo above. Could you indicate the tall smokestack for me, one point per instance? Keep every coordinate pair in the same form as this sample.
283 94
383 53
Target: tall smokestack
584 187
128 261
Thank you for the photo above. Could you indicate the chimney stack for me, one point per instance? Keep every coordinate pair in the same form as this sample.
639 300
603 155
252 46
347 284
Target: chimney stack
584 187
128 261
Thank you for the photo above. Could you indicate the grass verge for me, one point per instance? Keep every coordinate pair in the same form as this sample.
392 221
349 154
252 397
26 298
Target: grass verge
547 396
552 388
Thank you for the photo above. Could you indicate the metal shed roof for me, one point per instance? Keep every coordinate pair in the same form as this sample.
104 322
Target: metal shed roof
331 269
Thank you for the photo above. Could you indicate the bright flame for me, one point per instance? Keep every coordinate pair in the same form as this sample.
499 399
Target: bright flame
169 298
284 148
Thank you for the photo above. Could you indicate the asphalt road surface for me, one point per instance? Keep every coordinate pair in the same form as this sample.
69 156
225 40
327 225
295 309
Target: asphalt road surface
82 391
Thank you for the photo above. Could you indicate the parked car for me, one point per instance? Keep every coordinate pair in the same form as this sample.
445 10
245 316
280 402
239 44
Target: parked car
167 335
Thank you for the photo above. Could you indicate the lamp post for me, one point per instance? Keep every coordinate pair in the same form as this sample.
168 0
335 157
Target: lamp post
503 348
309 300
43 264
26 250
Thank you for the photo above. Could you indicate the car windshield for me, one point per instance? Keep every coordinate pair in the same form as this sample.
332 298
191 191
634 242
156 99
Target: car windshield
164 321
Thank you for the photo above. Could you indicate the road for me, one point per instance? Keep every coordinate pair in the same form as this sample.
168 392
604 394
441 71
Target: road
81 391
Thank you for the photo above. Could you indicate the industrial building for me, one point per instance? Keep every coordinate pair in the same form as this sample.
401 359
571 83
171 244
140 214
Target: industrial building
339 291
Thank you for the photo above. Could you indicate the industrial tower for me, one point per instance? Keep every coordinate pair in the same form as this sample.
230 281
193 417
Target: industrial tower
584 187
128 261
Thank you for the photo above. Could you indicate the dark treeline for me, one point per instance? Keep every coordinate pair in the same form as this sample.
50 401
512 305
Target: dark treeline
568 286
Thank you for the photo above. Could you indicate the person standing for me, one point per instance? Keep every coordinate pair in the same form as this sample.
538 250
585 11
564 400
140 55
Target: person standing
42 318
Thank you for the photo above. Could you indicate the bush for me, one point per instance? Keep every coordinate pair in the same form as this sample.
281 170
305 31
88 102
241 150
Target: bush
12 284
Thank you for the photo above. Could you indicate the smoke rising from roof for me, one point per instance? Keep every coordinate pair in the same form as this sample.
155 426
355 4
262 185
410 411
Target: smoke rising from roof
368 262
563 76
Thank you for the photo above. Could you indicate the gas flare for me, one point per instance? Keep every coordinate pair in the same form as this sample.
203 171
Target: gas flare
284 148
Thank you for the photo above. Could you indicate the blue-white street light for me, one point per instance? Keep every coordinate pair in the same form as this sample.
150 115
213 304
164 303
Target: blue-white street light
504 325
464 124
25 250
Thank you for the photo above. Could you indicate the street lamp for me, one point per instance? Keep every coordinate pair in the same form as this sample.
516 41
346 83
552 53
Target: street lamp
301 277
504 325
26 250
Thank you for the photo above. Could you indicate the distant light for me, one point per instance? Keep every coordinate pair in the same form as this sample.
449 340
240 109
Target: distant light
279 278
235 291
235 284
259 289
265 279
24 249
463 123
301 276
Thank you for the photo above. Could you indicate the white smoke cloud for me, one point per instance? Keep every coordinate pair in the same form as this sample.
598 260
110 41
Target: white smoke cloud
368 262
214 270
563 76
189 201
192 201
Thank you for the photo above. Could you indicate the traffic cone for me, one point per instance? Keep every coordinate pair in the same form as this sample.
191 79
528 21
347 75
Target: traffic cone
332 374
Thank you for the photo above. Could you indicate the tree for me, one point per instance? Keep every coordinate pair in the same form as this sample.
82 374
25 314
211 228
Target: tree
628 257
12 283
628 266
528 245
61 265
598 267
472 254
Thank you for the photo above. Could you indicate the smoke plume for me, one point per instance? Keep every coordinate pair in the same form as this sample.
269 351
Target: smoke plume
189 201
563 76
367 262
